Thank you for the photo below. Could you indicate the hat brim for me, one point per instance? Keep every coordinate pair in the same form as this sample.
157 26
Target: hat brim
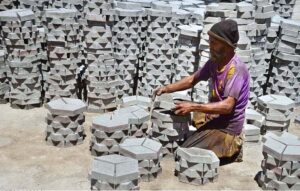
214 35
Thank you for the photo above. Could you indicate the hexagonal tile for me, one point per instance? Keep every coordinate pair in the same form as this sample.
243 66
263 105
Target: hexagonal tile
276 102
110 122
66 106
114 169
284 146
141 148
251 130
16 15
197 155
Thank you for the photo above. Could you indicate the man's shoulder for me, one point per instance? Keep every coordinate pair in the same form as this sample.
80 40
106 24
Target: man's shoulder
240 66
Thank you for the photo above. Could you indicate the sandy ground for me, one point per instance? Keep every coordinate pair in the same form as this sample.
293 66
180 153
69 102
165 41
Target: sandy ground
26 162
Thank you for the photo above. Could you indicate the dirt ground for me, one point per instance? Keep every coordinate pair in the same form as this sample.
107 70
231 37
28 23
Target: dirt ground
26 162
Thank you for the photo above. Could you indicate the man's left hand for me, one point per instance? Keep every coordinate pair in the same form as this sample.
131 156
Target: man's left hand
183 108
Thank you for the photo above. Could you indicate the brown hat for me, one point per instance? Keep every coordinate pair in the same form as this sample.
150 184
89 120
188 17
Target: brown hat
226 31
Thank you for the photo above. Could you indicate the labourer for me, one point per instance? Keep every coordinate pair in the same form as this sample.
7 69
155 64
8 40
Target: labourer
229 81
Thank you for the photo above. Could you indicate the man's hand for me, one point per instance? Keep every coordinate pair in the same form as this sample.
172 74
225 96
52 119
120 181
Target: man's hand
183 108
160 90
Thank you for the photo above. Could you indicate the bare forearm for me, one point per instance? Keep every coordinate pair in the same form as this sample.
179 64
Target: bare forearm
213 108
183 84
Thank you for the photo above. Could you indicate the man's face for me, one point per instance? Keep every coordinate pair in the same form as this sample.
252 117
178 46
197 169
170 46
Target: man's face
217 50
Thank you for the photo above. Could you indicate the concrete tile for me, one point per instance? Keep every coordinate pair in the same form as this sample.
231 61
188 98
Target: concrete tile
66 106
197 155
114 169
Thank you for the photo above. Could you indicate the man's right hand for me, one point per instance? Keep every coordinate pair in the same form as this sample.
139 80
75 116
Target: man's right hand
160 90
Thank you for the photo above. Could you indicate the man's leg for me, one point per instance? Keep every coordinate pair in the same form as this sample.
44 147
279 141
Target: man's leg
223 144
198 119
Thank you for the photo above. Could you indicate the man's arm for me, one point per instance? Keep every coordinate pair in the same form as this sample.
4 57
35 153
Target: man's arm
183 84
222 107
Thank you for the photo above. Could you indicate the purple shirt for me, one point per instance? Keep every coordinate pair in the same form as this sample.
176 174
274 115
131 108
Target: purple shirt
232 81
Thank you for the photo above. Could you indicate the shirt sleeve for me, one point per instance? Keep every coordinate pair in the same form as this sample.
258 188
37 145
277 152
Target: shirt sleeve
234 85
203 74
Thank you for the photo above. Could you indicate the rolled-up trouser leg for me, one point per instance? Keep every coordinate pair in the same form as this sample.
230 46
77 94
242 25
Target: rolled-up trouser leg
223 144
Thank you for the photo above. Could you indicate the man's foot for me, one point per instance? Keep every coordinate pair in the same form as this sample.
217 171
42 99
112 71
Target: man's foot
239 156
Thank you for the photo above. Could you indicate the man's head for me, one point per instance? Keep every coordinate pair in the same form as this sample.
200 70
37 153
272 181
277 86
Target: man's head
223 37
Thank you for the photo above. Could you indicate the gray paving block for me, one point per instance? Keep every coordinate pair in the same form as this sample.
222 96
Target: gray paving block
283 147
253 115
165 101
110 123
252 138
276 102
197 155
66 106
251 130
297 119
114 169
141 148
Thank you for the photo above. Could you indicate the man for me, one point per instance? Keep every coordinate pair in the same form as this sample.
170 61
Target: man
229 94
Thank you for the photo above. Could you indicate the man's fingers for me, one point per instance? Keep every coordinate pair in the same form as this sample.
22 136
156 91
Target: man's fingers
177 112
158 91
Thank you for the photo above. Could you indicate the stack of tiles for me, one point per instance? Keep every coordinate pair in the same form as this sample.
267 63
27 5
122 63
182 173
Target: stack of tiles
168 128
4 83
129 33
254 118
281 163
277 110
196 166
271 46
251 133
75 5
263 13
63 46
111 129
245 18
148 154
284 7
159 49
37 6
187 57
140 101
8 4
138 119
108 131
102 71
114 172
258 72
69 4
97 7
247 31
272 34
179 17
285 74
197 14
65 122
22 44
